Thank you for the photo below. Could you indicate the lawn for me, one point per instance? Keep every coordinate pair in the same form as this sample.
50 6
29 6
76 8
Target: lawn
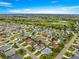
56 24
57 51
29 57
71 48
64 58
68 54
24 44
38 53
31 49
46 57
21 52
75 41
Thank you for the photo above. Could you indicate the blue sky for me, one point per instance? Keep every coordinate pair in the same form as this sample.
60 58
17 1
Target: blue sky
39 6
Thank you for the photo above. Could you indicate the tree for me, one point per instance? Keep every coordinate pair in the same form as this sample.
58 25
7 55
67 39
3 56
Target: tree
21 52
2 56
15 46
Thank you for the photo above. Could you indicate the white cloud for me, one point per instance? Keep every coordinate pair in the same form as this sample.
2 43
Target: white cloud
19 10
59 10
5 4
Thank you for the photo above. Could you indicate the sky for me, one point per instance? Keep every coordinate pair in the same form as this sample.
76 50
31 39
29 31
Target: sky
39 6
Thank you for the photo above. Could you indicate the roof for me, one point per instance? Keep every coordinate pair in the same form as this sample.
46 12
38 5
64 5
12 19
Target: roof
74 57
4 48
37 47
17 57
46 51
10 52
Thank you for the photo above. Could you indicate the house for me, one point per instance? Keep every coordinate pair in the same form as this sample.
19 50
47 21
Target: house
34 30
46 51
18 39
74 57
58 41
46 42
8 33
31 43
39 45
10 52
77 46
16 56
33 37
53 45
44 34
4 48
26 34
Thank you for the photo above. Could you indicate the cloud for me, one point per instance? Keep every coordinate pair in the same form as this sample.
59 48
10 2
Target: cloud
55 10
6 4
19 10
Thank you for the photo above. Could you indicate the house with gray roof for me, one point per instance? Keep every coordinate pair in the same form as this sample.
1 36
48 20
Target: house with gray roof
46 51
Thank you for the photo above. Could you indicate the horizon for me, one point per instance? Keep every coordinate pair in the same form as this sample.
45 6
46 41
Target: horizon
39 7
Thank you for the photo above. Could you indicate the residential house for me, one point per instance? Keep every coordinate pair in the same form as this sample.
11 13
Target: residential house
46 51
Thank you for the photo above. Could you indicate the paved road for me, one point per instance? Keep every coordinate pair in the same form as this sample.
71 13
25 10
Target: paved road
64 50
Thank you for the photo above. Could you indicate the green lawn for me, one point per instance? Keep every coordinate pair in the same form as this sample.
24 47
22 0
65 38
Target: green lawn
25 44
21 52
46 57
29 57
52 24
31 49
38 53
68 54
71 48
75 41
64 58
